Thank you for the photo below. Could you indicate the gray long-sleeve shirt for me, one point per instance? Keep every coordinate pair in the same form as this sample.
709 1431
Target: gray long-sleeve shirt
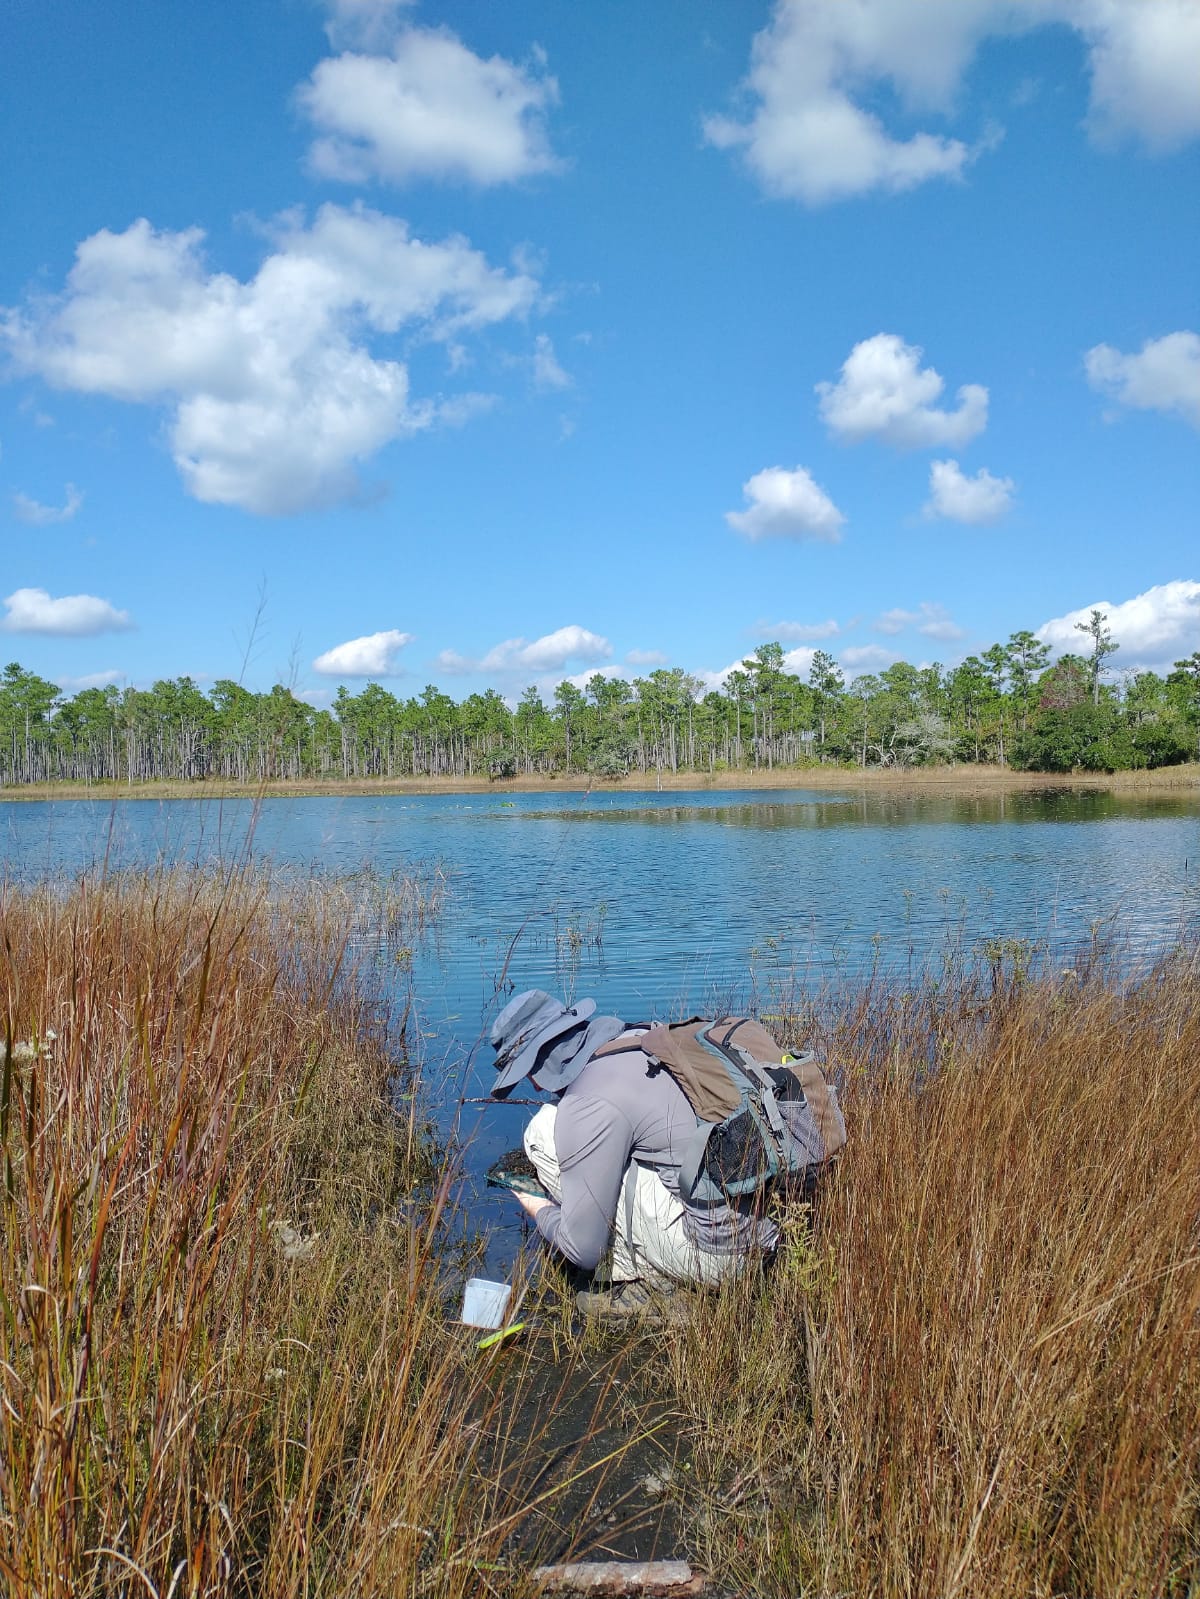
622 1108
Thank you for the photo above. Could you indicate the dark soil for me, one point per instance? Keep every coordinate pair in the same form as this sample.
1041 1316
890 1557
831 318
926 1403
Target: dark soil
608 1455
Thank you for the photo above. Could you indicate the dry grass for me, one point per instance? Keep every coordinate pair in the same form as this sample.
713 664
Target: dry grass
963 778
228 1364
227 1359
980 1371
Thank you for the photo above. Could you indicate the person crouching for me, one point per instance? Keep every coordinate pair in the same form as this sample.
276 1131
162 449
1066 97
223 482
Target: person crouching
607 1150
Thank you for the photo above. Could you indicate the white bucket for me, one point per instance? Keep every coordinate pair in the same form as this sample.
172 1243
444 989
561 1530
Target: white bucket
485 1303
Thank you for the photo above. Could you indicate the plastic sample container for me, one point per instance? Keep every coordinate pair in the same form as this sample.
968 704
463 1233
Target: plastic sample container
484 1303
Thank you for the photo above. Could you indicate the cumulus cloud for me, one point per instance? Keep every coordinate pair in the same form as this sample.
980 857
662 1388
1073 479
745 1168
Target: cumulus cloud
373 655
545 654
70 616
799 660
797 632
787 505
645 658
805 137
1163 376
1154 629
885 393
580 680
1145 63
430 108
271 390
958 498
38 515
710 680
930 620
806 133
548 653
868 658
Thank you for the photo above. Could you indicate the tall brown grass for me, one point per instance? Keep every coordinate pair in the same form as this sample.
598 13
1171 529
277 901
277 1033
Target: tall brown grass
976 1368
228 1363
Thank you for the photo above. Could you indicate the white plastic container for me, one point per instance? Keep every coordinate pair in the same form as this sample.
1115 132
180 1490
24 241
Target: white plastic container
485 1303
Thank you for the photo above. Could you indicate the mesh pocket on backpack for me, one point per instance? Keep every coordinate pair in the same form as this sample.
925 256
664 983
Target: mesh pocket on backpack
734 1155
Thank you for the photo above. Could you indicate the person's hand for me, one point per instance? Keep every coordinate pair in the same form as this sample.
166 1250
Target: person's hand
532 1204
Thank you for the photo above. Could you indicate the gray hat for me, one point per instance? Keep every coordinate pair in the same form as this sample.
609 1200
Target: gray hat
527 1024
563 1061
535 1036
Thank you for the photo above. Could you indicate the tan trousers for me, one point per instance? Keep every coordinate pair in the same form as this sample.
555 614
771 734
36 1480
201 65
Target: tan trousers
648 1237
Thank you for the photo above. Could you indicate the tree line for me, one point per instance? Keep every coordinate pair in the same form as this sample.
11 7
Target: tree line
1007 706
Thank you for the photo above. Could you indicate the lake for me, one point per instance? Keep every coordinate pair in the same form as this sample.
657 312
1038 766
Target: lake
669 904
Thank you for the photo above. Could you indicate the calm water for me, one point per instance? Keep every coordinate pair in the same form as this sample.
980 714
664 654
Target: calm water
667 904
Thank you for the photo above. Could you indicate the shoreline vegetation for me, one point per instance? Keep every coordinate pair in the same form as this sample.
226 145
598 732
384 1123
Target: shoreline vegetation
229 1360
1008 707
963 779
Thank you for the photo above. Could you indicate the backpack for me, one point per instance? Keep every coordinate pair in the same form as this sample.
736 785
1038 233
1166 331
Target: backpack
760 1114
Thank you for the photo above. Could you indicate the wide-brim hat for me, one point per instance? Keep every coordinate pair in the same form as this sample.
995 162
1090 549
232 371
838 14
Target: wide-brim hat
527 1025
563 1061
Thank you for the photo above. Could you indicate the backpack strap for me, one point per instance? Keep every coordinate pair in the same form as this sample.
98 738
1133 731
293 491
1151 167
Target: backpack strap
630 1194
748 1035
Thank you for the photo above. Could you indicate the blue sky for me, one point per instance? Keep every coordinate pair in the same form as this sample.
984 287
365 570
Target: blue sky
487 345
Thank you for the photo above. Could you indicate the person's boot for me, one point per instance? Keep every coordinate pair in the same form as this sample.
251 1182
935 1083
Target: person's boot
628 1300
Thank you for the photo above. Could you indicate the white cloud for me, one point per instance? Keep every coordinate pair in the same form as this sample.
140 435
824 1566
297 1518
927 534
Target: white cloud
885 393
805 138
788 505
580 680
645 658
367 24
868 658
76 685
546 654
272 393
373 655
1154 629
1163 376
71 616
429 109
547 374
799 660
958 498
38 515
930 620
716 680
796 632
1145 61
808 135
456 665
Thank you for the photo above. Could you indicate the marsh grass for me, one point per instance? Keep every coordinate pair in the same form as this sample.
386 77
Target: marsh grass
228 1359
976 1367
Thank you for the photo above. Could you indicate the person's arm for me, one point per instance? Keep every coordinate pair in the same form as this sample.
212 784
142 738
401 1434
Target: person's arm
593 1141
531 1204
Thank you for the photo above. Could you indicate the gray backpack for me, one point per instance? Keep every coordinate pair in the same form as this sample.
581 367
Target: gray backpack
760 1114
